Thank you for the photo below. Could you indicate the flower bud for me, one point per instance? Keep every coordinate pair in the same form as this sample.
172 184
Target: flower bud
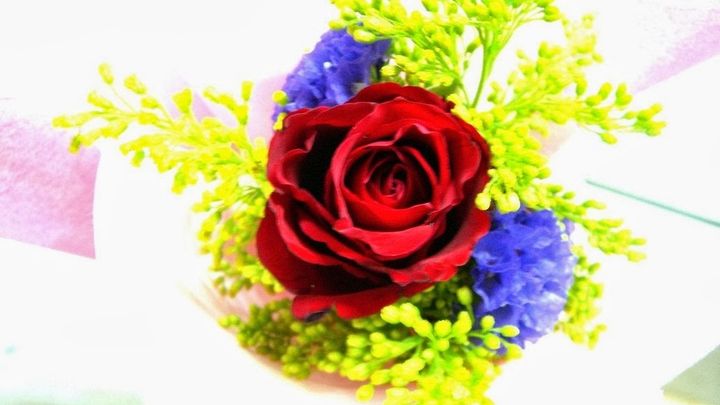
360 372
492 341
358 341
246 90
423 328
390 314
183 101
106 73
442 344
428 355
377 337
509 331
149 102
97 100
487 322
380 377
134 84
430 5
513 351
463 325
364 36
464 296
443 328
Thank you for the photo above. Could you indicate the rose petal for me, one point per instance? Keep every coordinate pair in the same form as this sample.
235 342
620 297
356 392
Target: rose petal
354 305
301 277
296 241
422 162
386 178
343 115
435 148
294 274
389 117
320 288
321 234
292 136
465 168
442 265
418 186
383 92
361 167
399 121
392 245
370 214
398 181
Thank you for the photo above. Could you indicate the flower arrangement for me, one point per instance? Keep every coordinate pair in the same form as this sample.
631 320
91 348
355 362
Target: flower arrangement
410 218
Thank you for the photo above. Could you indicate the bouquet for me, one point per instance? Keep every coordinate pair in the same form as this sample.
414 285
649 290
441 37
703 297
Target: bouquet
403 212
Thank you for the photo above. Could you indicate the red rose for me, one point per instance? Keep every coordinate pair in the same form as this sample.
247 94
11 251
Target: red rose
374 200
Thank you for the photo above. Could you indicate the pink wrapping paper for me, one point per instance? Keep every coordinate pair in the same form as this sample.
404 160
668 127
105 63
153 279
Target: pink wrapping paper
687 34
46 193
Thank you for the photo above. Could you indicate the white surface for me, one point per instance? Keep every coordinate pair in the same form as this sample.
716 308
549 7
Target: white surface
122 323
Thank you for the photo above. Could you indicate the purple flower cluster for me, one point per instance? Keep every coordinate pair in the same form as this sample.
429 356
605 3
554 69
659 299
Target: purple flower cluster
333 72
523 271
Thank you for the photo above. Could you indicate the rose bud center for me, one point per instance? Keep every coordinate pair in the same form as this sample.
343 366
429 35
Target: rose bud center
389 178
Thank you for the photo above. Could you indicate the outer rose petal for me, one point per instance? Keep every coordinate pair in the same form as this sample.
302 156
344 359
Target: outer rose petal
316 286
383 92
292 136
289 234
355 305
442 265
294 274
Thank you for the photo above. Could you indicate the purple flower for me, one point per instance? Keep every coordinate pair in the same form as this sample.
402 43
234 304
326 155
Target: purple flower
333 72
523 271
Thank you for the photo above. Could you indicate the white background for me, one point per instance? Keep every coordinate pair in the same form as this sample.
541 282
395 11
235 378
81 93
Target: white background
128 324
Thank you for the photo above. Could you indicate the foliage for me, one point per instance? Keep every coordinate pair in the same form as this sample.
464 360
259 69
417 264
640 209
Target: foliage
435 47
193 150
431 341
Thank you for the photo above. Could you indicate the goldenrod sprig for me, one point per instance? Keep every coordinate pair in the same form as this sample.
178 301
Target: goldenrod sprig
553 88
434 48
537 96
193 149
419 349
578 320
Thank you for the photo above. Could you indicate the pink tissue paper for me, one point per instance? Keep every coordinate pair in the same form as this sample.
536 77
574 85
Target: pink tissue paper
46 193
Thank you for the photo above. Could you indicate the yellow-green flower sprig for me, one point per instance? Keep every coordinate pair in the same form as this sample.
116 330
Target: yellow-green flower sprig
222 156
420 351
537 96
605 234
273 331
424 349
553 88
434 48
449 361
578 321
515 179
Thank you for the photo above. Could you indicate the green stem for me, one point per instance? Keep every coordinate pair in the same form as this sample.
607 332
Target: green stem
491 53
488 61
122 99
